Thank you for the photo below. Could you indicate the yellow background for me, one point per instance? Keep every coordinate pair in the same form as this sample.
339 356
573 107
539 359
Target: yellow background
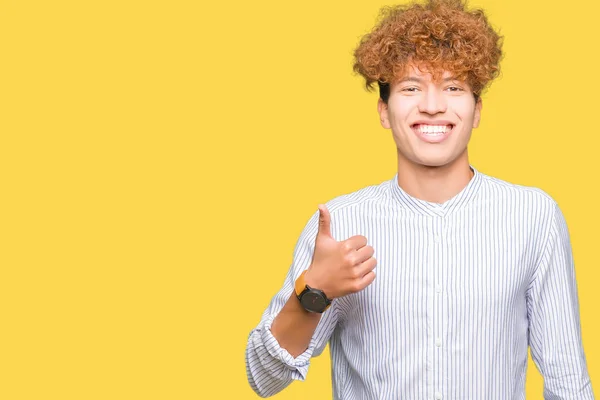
158 161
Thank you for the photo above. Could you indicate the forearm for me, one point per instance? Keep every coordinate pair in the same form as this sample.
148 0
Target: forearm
270 369
281 346
294 326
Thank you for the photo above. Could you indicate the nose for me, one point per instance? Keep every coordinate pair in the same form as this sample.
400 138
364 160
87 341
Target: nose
432 102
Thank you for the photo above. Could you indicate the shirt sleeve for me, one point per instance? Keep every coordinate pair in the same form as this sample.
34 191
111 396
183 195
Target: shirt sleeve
553 313
269 367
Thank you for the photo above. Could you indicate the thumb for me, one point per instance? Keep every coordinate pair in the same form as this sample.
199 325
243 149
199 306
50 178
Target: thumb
324 221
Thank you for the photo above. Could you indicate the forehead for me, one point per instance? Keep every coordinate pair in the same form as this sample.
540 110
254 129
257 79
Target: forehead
413 72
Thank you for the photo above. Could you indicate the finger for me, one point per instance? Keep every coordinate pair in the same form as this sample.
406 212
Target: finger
356 242
364 253
366 280
364 268
324 221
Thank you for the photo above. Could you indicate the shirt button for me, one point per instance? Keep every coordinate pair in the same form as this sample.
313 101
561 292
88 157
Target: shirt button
438 395
438 342
437 238
438 288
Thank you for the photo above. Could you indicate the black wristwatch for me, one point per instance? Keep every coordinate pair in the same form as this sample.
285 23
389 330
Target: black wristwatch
313 300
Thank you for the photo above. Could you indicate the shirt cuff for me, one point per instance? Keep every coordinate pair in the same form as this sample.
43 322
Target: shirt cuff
298 365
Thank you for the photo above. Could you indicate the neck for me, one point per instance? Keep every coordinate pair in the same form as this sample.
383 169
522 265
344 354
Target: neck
434 184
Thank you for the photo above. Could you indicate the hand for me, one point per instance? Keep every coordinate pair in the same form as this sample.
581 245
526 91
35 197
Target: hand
339 268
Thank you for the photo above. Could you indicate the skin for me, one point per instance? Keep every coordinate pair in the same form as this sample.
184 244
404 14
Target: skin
434 172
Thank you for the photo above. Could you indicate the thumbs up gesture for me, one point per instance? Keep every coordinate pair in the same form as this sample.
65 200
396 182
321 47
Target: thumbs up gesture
339 268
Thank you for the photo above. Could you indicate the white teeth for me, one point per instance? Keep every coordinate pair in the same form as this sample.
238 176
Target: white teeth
434 130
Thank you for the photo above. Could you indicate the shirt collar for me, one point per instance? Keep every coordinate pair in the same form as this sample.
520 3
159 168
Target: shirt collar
419 206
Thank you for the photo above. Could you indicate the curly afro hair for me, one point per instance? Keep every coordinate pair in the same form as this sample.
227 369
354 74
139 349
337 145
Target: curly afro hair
436 36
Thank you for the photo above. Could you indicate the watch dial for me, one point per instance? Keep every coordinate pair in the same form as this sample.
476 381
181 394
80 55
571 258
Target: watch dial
313 301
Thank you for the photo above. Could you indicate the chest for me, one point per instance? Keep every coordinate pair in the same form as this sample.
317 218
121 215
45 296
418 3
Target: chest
434 268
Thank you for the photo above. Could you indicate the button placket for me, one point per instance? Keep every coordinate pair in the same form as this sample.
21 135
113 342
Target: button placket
439 246
432 266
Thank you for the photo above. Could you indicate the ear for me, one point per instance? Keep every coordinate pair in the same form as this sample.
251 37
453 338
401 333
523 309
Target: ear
477 116
382 109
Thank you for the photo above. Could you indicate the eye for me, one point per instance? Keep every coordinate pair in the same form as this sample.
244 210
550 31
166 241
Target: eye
454 89
410 89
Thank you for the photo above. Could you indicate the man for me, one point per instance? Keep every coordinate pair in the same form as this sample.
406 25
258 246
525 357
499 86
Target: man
433 284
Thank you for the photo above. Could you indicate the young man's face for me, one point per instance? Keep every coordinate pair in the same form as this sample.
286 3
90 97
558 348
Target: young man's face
431 121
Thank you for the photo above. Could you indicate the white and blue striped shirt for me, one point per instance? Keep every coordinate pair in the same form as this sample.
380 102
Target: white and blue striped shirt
462 289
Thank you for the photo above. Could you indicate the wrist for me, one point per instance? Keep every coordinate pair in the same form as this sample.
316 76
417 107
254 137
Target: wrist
309 279
312 299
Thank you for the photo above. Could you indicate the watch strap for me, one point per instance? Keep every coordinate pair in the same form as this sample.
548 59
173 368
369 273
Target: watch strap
300 285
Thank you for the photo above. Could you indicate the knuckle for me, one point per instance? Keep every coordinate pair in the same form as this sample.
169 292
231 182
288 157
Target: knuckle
352 260
347 265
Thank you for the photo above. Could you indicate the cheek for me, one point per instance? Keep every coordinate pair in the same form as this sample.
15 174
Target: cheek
465 109
399 111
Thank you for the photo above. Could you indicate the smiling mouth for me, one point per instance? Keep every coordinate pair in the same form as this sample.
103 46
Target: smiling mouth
433 130
432 133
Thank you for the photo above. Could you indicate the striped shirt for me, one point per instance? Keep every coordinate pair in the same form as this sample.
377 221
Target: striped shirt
462 289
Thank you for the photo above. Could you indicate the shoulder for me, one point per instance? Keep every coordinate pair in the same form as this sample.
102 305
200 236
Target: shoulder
358 198
349 204
527 198
529 207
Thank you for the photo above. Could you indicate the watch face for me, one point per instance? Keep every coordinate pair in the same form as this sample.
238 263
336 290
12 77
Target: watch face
313 302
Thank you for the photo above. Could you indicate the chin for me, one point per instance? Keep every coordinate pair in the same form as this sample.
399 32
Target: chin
434 161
